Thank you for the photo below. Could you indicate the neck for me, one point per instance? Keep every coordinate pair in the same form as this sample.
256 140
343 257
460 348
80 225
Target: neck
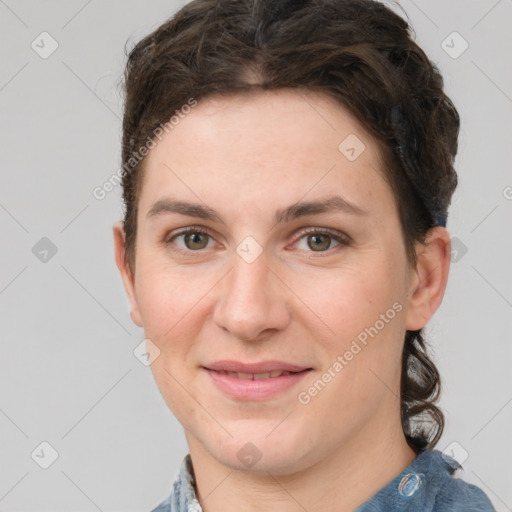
345 479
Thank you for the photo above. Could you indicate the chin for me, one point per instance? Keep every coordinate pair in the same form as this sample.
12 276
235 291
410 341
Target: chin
255 452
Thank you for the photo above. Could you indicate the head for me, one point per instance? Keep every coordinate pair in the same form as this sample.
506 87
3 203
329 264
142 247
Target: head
245 109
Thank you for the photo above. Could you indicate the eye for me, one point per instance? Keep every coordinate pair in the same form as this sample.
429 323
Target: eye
193 239
320 240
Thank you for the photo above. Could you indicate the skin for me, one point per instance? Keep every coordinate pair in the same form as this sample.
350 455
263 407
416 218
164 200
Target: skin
245 156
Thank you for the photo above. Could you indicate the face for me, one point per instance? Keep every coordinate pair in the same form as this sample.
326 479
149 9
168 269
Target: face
324 287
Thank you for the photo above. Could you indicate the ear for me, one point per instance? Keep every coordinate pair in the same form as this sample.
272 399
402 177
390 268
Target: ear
429 278
128 279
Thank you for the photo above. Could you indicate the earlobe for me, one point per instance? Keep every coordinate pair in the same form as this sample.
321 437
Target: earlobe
429 278
126 275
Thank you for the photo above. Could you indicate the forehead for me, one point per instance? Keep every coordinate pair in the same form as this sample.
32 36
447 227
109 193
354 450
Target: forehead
284 143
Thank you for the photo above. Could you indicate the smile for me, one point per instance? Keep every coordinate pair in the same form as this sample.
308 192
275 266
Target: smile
255 376
255 386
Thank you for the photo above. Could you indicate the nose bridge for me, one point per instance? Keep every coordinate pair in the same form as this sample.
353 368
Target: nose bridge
252 299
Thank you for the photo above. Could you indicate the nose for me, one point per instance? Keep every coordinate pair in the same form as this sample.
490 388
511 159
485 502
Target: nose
253 301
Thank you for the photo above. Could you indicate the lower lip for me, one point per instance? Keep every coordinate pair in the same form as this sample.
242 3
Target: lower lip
260 389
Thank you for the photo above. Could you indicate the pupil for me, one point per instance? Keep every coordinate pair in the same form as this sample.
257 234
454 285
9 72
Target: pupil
319 238
195 238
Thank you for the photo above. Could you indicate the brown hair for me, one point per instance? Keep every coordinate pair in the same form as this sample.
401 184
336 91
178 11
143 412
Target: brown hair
357 51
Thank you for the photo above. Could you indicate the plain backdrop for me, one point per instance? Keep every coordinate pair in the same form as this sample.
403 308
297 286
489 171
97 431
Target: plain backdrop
68 374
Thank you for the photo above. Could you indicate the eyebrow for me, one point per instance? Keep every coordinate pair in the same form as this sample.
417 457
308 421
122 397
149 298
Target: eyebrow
294 211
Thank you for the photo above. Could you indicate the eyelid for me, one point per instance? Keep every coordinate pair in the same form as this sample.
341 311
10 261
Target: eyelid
183 231
338 235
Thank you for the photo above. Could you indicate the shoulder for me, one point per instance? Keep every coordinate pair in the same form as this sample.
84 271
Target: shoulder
455 494
428 484
458 495
183 497
165 506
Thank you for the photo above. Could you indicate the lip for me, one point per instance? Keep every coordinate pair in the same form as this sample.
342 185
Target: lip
255 390
262 367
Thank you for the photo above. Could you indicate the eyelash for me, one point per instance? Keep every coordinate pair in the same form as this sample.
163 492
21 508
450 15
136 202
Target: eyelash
342 239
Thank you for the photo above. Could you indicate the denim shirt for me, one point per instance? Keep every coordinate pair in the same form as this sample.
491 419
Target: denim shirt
426 485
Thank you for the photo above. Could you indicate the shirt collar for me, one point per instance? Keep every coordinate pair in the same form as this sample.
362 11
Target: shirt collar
415 487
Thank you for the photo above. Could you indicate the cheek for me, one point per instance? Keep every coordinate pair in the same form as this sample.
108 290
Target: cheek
348 300
362 313
171 308
166 296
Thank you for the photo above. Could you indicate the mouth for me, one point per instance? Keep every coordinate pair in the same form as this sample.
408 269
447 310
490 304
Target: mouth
260 386
260 368
258 376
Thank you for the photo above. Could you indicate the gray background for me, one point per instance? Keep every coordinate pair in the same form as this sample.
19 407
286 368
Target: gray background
68 375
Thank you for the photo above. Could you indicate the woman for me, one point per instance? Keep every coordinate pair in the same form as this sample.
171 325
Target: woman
288 168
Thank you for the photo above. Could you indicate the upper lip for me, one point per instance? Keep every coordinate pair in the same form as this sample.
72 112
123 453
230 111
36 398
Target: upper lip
263 367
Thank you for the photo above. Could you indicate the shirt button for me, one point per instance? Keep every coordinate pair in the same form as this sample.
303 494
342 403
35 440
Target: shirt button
410 483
